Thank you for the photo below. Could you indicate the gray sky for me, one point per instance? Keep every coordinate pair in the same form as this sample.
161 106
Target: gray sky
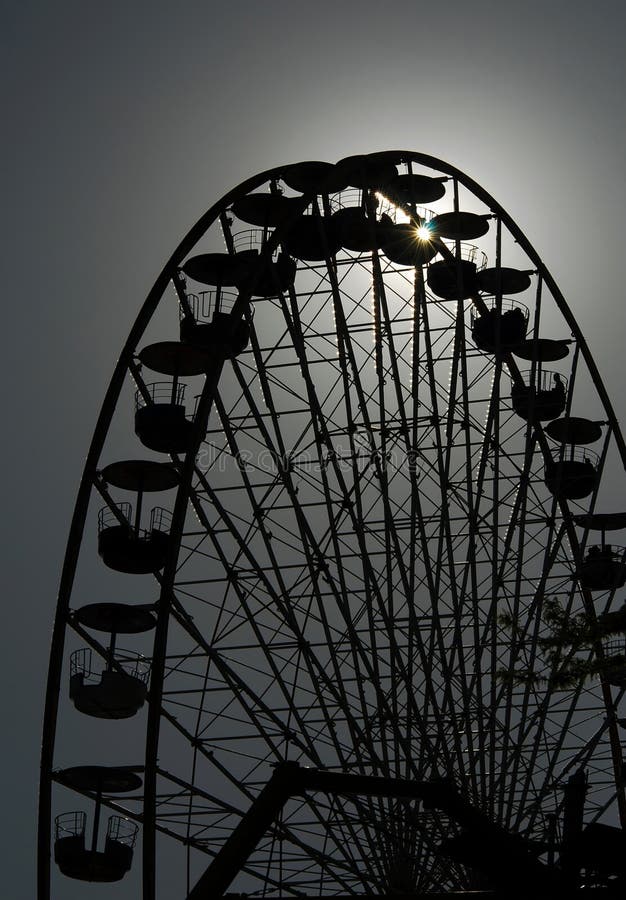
125 121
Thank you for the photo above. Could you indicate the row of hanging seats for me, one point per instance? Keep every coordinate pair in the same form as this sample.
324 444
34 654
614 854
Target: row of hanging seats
502 325
541 396
164 423
359 228
117 689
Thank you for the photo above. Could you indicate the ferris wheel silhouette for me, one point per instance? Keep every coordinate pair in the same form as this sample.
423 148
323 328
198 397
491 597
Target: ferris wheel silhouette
375 644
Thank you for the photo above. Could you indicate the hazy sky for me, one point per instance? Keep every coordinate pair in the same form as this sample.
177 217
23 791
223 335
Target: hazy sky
125 121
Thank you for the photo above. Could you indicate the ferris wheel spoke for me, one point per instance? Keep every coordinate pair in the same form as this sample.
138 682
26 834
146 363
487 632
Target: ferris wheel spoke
318 417
444 554
552 546
407 573
313 680
476 774
316 554
241 688
317 673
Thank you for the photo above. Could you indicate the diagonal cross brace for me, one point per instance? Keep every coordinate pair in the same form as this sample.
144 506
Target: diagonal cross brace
289 779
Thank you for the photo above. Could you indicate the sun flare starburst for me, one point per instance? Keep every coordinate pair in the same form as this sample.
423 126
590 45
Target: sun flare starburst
424 233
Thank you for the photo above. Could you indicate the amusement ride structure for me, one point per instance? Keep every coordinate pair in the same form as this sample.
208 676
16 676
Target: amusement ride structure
352 508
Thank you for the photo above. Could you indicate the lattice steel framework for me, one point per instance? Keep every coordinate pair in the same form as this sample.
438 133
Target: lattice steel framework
360 508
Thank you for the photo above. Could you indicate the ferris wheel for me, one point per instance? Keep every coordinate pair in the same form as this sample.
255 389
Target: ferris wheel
348 507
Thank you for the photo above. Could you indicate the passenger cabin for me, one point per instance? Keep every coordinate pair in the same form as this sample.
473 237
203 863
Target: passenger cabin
410 189
312 238
368 171
161 420
572 473
573 476
126 547
114 693
122 543
500 325
614 661
73 856
76 860
120 689
402 246
314 177
207 324
453 280
455 277
603 567
503 280
250 269
542 400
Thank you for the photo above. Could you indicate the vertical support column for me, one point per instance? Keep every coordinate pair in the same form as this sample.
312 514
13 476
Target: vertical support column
573 810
